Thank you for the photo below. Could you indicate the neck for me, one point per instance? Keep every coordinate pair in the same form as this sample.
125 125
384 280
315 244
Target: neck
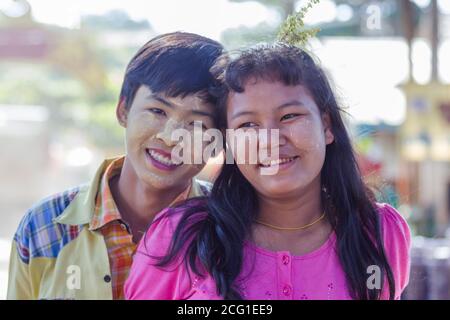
138 202
294 210
291 211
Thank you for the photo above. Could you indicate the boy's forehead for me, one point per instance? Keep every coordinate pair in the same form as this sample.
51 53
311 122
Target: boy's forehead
193 101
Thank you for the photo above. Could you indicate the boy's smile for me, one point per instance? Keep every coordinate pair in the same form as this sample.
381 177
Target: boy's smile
162 159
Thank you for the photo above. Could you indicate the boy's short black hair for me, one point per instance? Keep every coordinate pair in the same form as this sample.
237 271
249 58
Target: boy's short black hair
176 64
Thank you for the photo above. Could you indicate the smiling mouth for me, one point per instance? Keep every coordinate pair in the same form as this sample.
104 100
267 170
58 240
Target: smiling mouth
161 160
278 162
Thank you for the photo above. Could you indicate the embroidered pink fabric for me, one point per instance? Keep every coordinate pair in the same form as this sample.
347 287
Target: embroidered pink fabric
266 274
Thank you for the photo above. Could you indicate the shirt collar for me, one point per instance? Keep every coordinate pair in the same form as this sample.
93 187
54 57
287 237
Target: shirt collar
105 210
81 209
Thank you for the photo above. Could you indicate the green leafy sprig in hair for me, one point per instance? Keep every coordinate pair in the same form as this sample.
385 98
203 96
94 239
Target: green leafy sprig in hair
293 32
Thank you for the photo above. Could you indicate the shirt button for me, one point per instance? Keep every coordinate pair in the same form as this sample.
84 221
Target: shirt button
286 259
107 278
287 290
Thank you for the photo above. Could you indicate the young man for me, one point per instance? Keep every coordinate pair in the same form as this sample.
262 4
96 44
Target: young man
79 244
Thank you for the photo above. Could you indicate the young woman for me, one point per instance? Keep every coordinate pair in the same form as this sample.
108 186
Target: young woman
310 231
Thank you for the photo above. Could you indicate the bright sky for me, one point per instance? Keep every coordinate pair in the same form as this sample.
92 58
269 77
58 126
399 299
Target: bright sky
367 72
208 17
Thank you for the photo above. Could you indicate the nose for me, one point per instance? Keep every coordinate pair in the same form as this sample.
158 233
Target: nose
166 132
272 136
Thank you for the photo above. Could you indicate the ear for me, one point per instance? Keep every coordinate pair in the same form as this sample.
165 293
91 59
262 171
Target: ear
326 121
122 112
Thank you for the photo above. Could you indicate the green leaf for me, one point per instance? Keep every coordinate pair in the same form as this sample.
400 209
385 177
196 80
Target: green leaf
293 31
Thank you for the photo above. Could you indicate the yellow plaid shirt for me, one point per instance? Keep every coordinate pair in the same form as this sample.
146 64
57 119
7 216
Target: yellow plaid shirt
115 231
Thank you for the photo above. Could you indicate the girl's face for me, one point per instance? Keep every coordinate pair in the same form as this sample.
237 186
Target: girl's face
303 135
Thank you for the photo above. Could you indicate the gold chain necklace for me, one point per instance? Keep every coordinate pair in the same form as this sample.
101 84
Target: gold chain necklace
291 229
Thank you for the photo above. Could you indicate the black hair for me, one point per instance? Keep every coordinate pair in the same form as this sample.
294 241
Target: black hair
216 241
176 64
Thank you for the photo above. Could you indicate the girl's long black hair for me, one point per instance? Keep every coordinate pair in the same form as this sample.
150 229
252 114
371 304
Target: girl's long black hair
211 233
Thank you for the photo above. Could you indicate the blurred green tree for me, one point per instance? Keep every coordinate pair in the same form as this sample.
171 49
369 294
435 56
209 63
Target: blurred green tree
78 73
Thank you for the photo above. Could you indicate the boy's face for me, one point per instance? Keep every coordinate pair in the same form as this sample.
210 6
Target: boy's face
150 121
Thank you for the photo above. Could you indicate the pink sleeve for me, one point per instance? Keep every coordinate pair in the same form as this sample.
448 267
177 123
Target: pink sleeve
149 282
397 243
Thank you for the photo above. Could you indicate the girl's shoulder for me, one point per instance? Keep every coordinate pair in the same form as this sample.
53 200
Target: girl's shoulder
149 280
393 223
165 223
397 244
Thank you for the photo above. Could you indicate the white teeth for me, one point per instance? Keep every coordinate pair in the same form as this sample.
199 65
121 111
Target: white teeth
161 158
278 162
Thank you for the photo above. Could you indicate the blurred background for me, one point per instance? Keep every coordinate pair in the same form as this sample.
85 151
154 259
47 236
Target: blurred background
62 64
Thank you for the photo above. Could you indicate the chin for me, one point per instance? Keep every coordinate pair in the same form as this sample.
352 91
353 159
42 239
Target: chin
277 190
157 181
280 186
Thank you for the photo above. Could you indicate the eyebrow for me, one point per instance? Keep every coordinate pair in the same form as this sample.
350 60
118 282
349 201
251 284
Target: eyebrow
170 105
202 113
282 106
291 103
242 113
160 99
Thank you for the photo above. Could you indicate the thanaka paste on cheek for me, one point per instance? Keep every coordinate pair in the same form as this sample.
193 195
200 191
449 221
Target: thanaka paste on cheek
169 127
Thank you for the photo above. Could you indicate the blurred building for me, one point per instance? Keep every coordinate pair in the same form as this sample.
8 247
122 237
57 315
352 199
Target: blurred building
425 149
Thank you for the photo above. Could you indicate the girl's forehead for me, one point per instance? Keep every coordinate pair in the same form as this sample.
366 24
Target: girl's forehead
268 94
269 89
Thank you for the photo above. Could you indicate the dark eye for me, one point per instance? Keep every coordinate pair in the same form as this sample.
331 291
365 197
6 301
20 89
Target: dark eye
247 125
157 111
290 116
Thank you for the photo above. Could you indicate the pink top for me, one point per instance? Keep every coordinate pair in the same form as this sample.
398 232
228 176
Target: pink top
266 274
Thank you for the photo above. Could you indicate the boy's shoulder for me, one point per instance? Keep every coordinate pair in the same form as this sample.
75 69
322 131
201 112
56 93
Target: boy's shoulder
38 235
